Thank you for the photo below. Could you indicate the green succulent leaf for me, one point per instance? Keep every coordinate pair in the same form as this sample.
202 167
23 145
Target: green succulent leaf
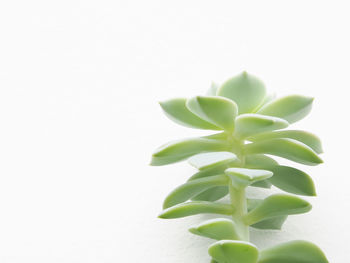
211 194
286 148
298 251
182 149
217 110
273 223
176 110
246 90
259 161
306 138
191 188
242 177
250 124
207 160
277 205
220 228
195 208
213 89
232 251
291 108
292 180
216 170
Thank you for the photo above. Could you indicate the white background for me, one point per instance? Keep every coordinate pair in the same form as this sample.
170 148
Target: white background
79 86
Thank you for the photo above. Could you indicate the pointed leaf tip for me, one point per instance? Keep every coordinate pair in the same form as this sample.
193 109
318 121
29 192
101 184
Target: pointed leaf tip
246 90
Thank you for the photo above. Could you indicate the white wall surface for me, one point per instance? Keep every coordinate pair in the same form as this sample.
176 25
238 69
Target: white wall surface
79 85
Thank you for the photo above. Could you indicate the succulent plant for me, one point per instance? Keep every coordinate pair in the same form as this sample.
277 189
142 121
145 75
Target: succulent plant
251 125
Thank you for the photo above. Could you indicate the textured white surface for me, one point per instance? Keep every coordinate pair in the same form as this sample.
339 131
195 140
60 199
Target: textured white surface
79 85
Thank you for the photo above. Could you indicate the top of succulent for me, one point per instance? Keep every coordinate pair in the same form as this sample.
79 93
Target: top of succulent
243 110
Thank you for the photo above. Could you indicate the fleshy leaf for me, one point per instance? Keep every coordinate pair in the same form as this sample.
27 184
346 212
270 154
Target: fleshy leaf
297 251
217 110
273 223
246 90
211 194
186 191
250 124
259 161
213 89
286 148
207 160
233 251
277 205
182 149
242 177
292 180
218 229
305 137
176 110
216 170
291 108
195 208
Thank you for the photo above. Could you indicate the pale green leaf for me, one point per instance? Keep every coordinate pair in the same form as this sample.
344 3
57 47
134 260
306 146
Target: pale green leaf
246 90
213 89
250 124
305 137
207 160
182 149
217 110
234 251
191 188
298 251
273 223
211 194
176 110
195 208
292 180
259 161
220 228
291 108
286 148
277 205
242 177
216 170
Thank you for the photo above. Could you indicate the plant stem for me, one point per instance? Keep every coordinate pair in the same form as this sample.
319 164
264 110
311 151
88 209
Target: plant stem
239 201
238 195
